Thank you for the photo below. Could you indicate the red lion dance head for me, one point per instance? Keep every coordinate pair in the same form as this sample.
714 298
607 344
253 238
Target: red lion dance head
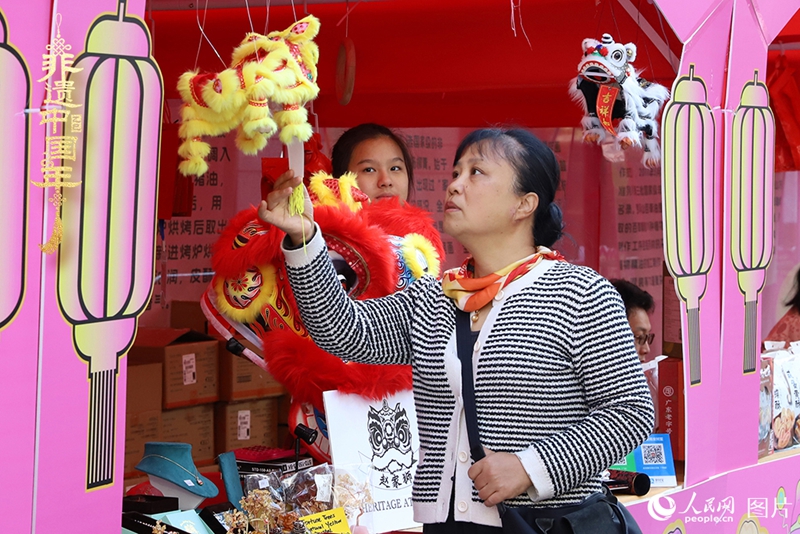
377 249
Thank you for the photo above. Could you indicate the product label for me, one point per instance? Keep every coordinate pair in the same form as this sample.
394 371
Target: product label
189 369
189 482
323 483
243 425
334 521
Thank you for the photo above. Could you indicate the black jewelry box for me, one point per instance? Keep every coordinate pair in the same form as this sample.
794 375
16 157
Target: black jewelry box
149 504
143 524
212 516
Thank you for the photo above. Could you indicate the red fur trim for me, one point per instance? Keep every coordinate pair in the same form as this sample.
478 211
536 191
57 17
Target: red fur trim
401 219
228 261
307 371
369 241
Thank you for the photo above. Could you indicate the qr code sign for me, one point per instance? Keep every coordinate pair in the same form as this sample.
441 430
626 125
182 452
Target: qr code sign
653 454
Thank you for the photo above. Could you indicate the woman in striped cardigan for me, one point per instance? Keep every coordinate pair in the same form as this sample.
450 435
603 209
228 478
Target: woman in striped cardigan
559 390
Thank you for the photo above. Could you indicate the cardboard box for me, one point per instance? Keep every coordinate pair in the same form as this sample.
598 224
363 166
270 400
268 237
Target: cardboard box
144 389
140 428
241 379
245 424
671 404
193 425
142 412
187 314
285 439
284 401
190 364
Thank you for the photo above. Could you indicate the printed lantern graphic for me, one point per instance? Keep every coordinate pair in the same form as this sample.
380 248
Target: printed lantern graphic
15 97
752 167
106 263
687 176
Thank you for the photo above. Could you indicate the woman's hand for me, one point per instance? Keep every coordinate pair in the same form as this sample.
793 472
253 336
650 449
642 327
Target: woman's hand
499 476
275 210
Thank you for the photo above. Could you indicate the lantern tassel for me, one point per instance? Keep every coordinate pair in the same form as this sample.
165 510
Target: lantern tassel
55 237
694 345
750 340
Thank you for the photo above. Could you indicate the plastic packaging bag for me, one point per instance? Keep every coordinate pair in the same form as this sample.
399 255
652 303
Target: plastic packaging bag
352 491
309 491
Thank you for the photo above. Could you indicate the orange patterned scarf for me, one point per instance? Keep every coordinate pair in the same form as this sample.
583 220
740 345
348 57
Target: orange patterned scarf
473 294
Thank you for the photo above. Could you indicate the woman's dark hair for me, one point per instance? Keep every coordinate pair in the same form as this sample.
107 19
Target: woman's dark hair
633 296
537 172
795 300
346 144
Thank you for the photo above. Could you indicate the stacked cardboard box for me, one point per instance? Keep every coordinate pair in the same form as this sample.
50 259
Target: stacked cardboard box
245 424
182 365
142 412
184 385
246 415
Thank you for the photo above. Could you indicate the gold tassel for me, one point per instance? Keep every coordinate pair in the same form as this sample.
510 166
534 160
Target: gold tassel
297 205
55 237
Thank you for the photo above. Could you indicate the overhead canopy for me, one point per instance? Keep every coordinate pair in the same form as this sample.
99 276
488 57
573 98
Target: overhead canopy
440 62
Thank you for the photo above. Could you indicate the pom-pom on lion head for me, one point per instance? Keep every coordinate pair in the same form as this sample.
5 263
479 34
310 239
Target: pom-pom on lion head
377 249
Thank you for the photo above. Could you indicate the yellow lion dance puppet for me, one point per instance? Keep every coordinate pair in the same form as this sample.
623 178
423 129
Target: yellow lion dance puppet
270 80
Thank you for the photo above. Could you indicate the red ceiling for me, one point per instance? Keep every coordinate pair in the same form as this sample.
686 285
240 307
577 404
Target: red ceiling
436 62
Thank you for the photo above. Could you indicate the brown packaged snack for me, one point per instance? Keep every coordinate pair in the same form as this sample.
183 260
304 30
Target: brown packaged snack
782 426
309 491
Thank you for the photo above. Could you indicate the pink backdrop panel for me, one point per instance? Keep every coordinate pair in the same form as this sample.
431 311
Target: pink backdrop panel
760 499
63 413
706 51
26 34
686 16
747 227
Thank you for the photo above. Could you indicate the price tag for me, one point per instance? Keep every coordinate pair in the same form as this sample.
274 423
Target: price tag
243 425
323 483
334 521
189 369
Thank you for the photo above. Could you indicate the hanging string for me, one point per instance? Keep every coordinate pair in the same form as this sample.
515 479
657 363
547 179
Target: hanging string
516 9
252 30
614 18
346 17
599 19
294 11
666 39
316 118
249 18
203 35
638 34
266 22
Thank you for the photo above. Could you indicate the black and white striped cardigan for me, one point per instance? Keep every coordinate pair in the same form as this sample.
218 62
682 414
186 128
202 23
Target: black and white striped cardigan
557 373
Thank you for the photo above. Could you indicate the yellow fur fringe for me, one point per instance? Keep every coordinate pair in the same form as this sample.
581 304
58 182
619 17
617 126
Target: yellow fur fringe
414 244
248 314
